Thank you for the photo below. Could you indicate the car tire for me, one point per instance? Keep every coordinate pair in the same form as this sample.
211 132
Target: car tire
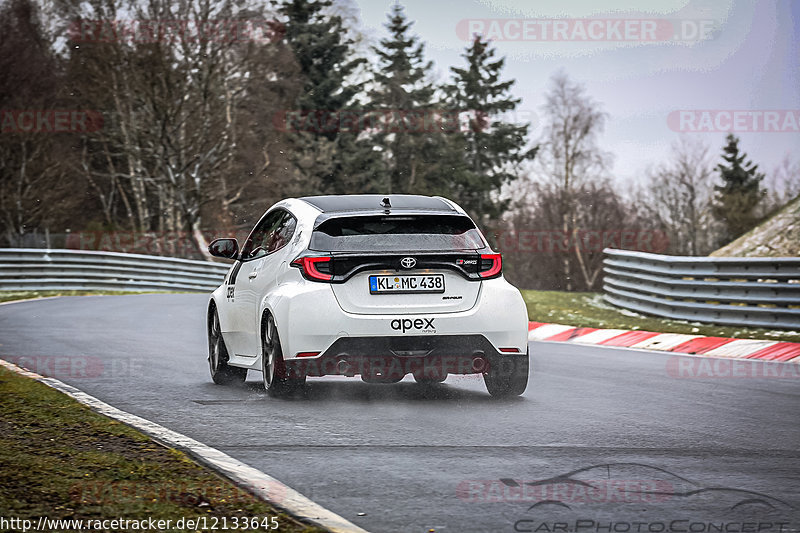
507 376
221 372
277 381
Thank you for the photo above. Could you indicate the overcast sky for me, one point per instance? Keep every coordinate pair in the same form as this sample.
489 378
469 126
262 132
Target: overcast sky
748 61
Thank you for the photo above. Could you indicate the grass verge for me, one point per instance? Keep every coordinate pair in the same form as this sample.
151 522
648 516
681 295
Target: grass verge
61 460
587 309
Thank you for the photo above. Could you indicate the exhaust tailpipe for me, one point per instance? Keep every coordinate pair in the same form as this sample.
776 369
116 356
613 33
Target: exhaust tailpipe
343 367
478 364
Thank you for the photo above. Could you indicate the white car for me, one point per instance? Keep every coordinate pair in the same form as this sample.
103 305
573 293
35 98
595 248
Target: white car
369 285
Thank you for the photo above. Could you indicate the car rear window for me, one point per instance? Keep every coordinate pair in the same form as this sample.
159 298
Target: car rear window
396 233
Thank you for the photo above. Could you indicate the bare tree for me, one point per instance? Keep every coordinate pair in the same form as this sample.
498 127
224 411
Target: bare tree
782 184
536 250
677 196
34 191
570 157
167 154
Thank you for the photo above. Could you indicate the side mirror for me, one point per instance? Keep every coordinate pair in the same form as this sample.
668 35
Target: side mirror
225 248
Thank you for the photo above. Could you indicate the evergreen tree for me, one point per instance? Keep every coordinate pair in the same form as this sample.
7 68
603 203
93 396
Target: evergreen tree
404 98
490 146
328 158
740 192
35 187
323 54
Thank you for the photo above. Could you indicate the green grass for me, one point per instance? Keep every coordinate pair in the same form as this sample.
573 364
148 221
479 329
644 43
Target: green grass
587 309
61 460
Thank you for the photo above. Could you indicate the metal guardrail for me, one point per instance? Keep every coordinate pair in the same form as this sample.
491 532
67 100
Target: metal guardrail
24 269
756 291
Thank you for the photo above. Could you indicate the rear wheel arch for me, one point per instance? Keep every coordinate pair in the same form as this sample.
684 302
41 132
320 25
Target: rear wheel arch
212 306
265 313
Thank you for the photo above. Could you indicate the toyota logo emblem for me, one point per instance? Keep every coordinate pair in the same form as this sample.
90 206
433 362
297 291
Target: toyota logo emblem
408 262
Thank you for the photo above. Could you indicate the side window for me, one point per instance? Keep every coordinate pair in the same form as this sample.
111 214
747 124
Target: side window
271 234
257 244
283 233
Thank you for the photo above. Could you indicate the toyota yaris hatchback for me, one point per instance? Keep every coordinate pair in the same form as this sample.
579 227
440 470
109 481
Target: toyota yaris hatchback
375 286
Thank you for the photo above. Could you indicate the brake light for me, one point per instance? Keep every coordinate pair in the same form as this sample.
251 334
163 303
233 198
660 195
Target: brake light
491 265
509 350
307 354
310 266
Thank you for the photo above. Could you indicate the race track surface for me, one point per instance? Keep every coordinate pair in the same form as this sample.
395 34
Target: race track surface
603 439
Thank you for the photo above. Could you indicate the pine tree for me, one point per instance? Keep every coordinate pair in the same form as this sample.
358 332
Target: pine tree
327 158
490 146
740 192
404 98
36 190
323 54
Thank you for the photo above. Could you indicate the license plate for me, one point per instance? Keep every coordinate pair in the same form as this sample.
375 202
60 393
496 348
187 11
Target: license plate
406 284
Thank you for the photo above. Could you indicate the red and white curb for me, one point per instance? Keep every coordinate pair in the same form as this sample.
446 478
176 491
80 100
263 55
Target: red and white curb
257 482
777 351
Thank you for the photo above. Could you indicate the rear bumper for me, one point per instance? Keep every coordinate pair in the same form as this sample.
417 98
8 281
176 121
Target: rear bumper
426 356
309 319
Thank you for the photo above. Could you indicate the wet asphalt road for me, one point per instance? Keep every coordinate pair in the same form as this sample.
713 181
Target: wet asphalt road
631 447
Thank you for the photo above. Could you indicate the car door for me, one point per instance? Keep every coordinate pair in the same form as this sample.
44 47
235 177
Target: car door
242 289
261 259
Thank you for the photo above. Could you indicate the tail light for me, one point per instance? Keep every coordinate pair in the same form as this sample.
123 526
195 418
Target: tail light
491 265
315 268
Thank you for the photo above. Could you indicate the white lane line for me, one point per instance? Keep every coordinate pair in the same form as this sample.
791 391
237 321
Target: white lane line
262 485
29 300
598 336
548 330
664 342
740 348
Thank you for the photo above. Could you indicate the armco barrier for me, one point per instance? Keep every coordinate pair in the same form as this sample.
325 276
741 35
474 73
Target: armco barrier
23 269
756 291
